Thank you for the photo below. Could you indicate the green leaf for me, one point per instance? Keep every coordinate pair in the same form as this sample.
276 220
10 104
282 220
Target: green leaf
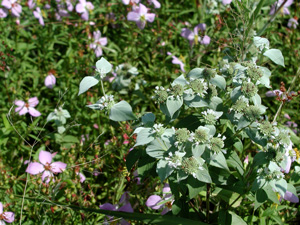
148 119
144 136
180 80
196 73
203 175
234 161
265 79
156 149
228 217
163 170
86 83
275 55
121 111
261 43
260 197
219 160
103 66
132 157
69 139
219 81
194 101
194 186
173 105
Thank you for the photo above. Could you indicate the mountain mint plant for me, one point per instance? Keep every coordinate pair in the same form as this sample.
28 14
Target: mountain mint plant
211 117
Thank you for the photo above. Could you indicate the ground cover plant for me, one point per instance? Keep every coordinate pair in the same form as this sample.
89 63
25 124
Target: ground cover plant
149 112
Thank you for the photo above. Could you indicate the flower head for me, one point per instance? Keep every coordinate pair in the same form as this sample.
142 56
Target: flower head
38 14
193 36
175 60
98 43
123 206
8 217
46 166
15 7
140 15
156 202
84 7
293 23
28 107
284 9
50 81
3 13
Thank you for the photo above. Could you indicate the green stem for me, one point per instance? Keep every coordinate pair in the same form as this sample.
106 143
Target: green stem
288 91
102 86
207 201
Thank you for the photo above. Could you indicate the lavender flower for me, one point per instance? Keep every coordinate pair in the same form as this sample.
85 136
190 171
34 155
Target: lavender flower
84 7
28 107
293 23
98 43
193 36
38 14
140 16
156 202
46 166
8 217
284 9
3 13
15 7
50 81
177 61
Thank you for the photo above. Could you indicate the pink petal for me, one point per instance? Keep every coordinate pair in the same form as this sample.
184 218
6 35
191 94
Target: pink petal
16 10
142 10
133 16
165 211
47 174
19 103
202 26
125 2
1 208
80 8
89 6
23 111
45 157
166 189
58 167
35 168
98 51
103 41
33 112
126 208
205 40
141 24
156 4
6 4
85 16
33 102
3 13
152 202
108 206
82 177
97 34
9 217
150 17
50 81
289 196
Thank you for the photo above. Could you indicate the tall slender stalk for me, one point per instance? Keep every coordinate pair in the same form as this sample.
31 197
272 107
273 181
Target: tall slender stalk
288 91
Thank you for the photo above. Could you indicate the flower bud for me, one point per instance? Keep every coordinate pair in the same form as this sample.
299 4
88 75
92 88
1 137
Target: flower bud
50 81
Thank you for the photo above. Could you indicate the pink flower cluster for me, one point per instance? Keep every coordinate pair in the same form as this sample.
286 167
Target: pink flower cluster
8 217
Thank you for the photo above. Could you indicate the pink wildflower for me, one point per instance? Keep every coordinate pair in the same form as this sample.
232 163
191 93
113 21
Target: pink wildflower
193 36
24 108
177 61
38 14
98 43
84 7
50 81
3 13
140 16
8 217
46 167
155 201
155 3
293 23
284 9
15 7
